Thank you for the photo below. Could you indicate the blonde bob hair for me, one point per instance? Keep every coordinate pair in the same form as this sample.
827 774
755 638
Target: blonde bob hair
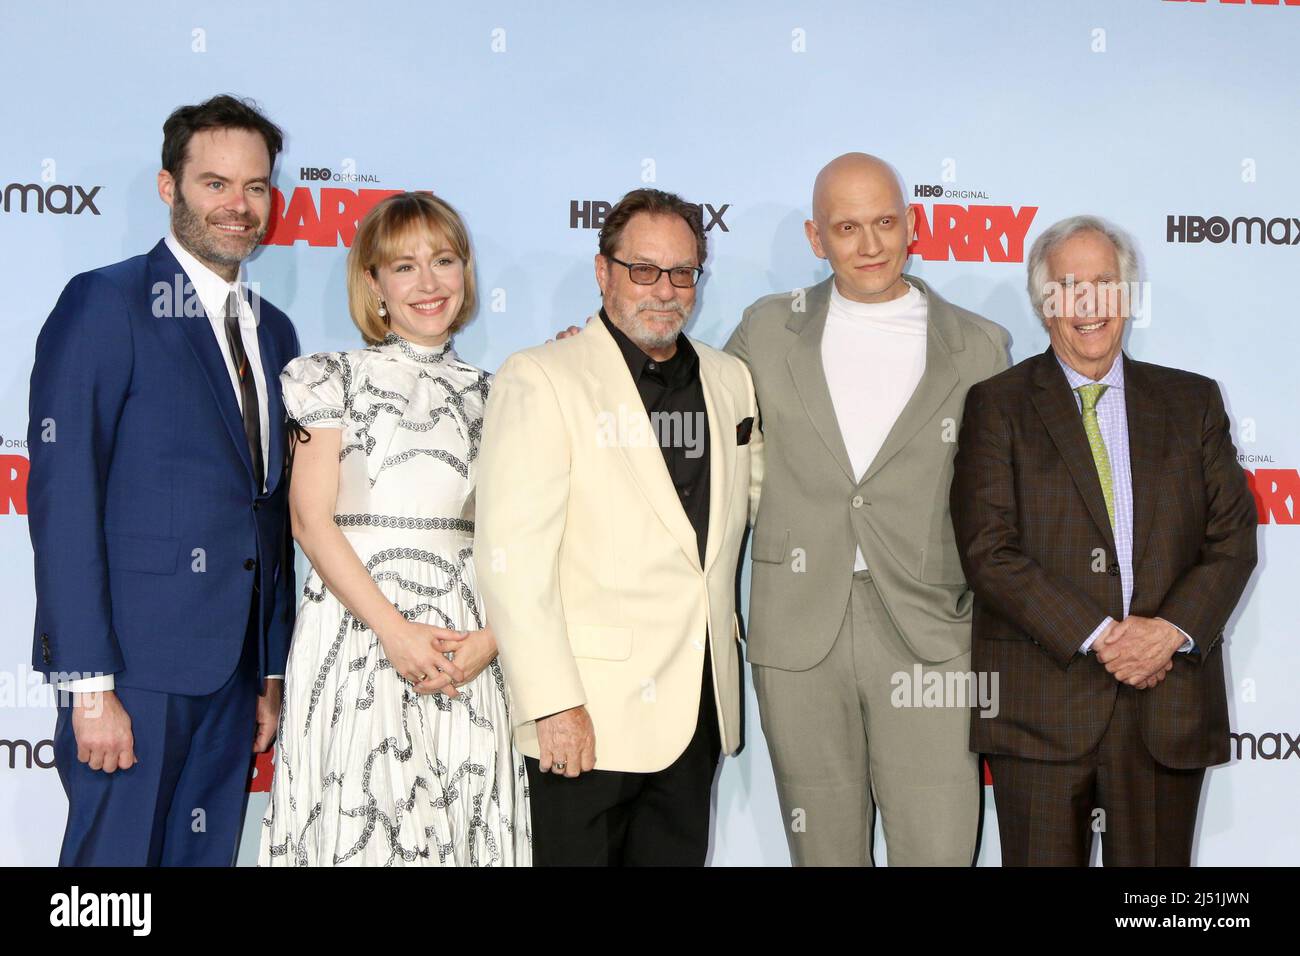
384 234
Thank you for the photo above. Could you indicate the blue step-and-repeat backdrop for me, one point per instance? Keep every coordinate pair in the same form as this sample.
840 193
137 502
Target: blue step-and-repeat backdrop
1174 118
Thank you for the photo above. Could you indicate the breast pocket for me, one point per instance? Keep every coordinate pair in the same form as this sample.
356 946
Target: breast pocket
769 545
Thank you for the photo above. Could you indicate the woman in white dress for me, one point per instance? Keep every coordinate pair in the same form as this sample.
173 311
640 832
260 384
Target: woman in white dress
394 744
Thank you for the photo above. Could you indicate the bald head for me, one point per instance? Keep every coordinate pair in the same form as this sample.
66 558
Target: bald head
862 225
856 174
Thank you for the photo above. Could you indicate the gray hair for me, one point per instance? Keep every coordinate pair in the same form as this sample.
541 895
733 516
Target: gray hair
1125 251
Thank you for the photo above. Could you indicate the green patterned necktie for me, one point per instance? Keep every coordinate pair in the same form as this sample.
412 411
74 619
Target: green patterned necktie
1090 394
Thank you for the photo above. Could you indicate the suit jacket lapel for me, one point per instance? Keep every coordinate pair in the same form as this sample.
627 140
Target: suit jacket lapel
1059 411
616 397
940 377
198 333
722 453
272 362
805 362
1146 430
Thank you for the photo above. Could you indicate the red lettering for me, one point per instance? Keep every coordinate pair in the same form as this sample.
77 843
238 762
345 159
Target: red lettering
338 217
1015 227
923 241
13 483
952 230
1277 492
977 234
299 220
334 224
259 776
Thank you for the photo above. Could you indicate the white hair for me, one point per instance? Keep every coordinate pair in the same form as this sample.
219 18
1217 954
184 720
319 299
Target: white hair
1039 281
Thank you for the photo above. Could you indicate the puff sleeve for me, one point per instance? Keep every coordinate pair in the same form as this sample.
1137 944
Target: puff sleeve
315 389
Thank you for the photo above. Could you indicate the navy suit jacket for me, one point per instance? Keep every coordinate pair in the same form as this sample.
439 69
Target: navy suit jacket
151 539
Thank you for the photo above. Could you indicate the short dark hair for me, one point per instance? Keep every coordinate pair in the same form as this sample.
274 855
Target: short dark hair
654 202
221 112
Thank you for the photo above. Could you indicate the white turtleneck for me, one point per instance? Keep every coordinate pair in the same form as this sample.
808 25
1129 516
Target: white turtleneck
874 356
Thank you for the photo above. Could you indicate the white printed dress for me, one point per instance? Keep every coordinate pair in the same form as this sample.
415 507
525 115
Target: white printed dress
368 772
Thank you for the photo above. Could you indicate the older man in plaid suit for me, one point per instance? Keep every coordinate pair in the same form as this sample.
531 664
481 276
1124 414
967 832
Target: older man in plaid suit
1108 533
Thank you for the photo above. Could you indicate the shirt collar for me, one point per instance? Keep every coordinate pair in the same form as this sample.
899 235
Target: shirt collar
212 290
675 372
394 345
1114 379
910 300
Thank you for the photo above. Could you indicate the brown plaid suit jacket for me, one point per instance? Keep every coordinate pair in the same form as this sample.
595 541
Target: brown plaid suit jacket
1037 547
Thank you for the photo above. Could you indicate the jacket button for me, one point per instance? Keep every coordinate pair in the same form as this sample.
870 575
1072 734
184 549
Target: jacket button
256 506
250 564
1113 570
857 501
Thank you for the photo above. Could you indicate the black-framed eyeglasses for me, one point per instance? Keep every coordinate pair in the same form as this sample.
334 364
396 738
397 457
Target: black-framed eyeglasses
647 273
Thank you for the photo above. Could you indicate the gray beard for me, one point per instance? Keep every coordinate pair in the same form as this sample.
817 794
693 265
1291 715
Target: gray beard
643 337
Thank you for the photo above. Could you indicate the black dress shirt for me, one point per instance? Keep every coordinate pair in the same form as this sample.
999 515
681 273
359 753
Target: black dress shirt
674 400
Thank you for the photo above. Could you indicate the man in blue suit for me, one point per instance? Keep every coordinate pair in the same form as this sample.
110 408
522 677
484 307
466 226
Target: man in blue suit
158 512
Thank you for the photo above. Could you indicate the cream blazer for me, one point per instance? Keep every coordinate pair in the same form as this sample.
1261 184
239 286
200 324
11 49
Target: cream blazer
588 566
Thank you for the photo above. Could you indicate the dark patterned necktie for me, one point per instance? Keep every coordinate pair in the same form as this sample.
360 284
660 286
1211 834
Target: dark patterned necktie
247 388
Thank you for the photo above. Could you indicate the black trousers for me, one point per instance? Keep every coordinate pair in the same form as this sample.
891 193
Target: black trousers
616 818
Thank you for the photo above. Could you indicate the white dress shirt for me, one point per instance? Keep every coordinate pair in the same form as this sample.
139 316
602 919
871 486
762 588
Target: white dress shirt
213 292
1112 422
873 354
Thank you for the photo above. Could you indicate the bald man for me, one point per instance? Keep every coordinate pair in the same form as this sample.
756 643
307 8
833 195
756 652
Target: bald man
859 629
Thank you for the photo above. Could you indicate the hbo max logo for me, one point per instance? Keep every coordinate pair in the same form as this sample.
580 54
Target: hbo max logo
1278 231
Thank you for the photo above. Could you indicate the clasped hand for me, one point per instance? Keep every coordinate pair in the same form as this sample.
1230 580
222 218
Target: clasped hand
418 652
1139 651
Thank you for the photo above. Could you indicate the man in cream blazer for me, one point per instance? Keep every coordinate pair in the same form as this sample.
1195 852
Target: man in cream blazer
617 472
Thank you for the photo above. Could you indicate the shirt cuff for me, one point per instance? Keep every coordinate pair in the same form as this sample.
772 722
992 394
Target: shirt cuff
275 677
86 685
1189 645
1101 629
